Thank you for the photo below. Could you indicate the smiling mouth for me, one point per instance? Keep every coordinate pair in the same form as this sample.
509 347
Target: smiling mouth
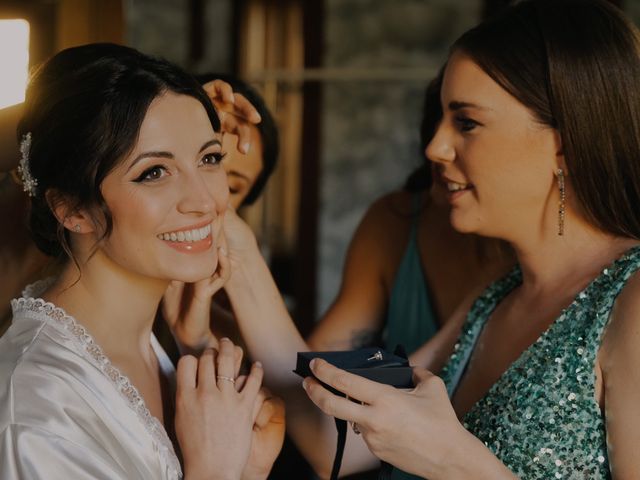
453 187
187 236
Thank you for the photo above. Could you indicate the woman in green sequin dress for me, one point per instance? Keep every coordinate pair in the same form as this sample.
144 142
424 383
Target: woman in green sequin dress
540 146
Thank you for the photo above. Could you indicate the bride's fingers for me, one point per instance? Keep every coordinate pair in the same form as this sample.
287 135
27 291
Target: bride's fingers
237 359
225 361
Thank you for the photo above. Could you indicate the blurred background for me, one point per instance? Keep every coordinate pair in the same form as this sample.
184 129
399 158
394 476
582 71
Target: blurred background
344 79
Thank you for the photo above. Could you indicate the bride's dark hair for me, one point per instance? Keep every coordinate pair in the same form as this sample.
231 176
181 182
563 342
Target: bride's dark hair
84 108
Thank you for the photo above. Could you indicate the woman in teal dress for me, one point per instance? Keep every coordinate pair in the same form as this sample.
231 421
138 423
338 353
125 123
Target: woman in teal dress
540 146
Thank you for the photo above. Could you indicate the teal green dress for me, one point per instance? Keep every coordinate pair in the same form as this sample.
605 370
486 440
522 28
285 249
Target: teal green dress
410 320
541 418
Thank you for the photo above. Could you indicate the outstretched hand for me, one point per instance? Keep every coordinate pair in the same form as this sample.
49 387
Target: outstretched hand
240 239
235 111
413 430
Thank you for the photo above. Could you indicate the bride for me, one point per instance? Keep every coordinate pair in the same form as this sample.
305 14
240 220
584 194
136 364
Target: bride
121 158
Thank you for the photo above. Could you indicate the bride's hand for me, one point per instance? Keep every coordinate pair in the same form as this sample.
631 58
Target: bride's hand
214 419
235 111
186 307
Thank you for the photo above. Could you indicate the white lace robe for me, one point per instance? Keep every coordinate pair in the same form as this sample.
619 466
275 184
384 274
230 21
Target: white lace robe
66 412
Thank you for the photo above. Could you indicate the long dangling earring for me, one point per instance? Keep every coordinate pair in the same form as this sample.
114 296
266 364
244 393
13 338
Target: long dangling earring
560 174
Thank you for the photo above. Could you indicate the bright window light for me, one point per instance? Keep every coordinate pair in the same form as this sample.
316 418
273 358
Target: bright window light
14 61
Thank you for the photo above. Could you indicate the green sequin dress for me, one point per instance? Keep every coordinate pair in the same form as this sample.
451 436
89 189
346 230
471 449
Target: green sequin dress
541 418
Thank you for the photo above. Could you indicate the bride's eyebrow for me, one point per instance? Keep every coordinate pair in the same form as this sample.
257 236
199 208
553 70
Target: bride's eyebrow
151 154
209 144
163 154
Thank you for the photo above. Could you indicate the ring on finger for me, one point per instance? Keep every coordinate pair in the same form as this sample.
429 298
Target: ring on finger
226 379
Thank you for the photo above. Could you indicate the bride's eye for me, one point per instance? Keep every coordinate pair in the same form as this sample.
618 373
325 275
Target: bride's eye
213 158
150 174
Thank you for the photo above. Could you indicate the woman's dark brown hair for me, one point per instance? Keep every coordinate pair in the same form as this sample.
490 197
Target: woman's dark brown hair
576 65
84 108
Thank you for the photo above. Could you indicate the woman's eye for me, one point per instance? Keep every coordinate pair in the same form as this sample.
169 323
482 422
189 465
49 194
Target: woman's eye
213 158
151 174
466 124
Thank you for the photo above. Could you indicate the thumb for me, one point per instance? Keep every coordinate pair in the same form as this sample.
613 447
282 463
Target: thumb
423 379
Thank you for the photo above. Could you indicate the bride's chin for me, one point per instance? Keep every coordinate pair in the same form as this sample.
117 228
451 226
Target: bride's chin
194 275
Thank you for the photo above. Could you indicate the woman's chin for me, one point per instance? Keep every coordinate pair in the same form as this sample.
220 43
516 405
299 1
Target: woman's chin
196 274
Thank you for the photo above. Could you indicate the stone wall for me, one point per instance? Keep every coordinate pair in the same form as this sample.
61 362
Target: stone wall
370 127
161 27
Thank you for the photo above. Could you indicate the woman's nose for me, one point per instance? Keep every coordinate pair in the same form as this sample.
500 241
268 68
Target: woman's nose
440 148
196 196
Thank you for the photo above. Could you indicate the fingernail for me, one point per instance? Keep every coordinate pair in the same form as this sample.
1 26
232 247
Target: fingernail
305 384
312 363
224 339
245 147
223 251
258 364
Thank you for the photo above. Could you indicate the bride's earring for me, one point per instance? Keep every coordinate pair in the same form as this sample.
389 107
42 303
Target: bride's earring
561 205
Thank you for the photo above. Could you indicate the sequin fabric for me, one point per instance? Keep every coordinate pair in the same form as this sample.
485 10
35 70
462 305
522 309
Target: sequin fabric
541 418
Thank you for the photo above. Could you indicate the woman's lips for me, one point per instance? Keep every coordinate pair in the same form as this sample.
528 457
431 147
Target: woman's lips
192 240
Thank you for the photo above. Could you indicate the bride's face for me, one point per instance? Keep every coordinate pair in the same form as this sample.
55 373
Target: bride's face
168 197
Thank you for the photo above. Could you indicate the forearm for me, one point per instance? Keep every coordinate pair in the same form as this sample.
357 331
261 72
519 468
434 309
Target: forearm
273 339
265 324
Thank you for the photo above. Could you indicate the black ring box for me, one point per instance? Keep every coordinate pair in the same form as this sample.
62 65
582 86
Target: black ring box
371 363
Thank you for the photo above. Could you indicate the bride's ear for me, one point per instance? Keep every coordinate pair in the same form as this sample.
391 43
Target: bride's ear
74 219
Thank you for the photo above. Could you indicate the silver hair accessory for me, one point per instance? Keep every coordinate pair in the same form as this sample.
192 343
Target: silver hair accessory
29 183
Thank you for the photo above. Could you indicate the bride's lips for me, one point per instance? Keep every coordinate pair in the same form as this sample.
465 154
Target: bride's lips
193 239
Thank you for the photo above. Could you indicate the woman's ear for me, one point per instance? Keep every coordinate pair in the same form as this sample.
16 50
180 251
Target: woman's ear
76 220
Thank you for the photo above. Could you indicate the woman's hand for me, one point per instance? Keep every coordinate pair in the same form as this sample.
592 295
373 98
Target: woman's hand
240 240
214 420
268 436
235 111
186 307
413 430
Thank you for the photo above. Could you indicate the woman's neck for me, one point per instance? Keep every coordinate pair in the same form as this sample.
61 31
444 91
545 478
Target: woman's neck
115 305
570 261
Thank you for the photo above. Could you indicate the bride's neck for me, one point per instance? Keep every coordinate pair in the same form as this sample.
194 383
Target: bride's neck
115 305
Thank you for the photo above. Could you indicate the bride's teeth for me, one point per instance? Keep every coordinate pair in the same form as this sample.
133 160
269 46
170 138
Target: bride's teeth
187 235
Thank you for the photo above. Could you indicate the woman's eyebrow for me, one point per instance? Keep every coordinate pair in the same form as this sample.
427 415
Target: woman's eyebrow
150 155
208 144
161 154
458 105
